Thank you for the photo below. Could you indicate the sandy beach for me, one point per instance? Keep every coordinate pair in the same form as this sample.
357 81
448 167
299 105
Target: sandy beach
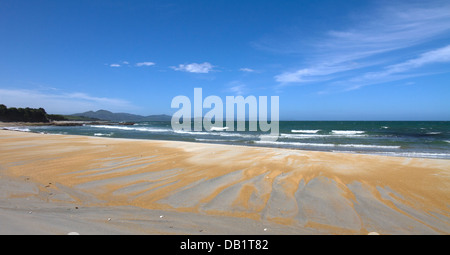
56 184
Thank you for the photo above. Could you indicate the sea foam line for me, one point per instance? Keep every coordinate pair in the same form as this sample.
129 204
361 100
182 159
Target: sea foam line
144 129
102 134
369 146
17 129
306 136
415 154
347 132
224 134
297 144
305 131
330 145
215 140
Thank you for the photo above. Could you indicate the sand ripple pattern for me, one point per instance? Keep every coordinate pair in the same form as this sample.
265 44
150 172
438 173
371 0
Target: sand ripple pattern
327 192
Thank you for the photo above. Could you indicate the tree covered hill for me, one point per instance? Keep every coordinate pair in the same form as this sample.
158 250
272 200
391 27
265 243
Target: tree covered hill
13 114
23 114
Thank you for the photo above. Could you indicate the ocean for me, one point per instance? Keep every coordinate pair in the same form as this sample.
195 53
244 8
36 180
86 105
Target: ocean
422 139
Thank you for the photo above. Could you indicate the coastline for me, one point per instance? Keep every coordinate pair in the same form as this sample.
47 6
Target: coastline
398 139
126 185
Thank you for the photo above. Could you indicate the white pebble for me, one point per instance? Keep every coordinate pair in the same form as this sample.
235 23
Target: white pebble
161 216
73 234
373 234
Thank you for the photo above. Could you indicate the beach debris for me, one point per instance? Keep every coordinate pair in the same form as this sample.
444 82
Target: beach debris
161 216
109 219
373 234
30 212
265 229
73 234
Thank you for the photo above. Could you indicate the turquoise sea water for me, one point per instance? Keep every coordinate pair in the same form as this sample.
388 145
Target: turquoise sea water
425 139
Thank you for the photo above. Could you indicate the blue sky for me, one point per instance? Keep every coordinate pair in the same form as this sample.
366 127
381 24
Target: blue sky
326 60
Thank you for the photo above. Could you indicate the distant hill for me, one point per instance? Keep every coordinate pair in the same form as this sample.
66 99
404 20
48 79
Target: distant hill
118 117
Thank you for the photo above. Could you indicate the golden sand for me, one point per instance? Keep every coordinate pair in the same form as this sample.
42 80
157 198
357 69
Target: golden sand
329 192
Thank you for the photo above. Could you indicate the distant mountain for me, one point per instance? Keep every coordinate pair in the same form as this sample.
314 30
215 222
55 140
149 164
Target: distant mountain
118 117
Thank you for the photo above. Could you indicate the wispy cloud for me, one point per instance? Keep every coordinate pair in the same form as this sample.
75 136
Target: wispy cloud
237 88
401 70
145 64
367 43
440 55
194 68
247 70
61 102
314 73
126 63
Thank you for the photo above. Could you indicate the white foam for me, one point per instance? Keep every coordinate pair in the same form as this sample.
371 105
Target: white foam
301 136
433 133
306 136
17 129
218 128
330 145
214 140
224 134
193 132
369 146
347 132
414 154
236 135
102 134
305 131
144 129
297 144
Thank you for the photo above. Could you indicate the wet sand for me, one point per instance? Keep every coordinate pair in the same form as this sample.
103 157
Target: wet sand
56 184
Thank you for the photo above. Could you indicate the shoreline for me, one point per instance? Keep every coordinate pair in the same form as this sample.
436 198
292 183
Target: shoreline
292 191
5 126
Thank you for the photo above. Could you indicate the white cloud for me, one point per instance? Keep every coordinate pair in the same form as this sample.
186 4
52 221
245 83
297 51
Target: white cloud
245 69
312 74
64 103
194 68
401 70
440 55
145 64
365 44
237 88
114 65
